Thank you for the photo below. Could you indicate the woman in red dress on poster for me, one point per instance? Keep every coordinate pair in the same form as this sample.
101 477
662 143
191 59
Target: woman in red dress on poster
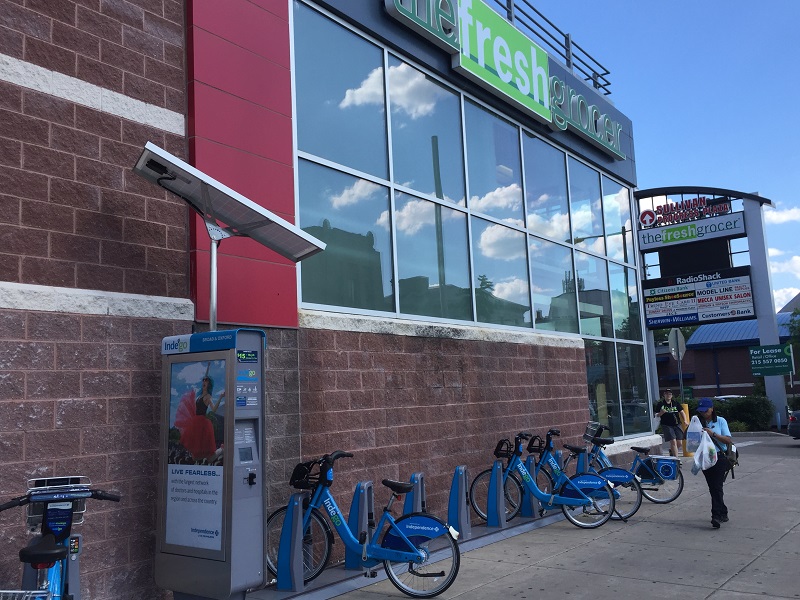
197 431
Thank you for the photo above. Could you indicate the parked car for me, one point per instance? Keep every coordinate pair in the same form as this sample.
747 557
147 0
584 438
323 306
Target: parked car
793 429
726 398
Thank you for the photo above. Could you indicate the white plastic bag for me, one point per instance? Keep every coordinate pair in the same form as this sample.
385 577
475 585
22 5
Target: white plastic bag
705 456
693 434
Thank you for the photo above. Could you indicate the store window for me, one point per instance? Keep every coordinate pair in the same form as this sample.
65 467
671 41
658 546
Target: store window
624 302
493 174
546 189
427 148
601 375
432 259
593 295
341 112
636 412
587 210
502 291
618 226
351 215
555 306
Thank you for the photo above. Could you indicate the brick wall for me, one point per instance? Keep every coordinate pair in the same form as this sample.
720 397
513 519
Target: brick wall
79 395
72 212
404 404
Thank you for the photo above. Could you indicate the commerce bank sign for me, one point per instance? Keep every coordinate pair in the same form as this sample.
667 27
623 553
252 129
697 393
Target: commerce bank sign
494 54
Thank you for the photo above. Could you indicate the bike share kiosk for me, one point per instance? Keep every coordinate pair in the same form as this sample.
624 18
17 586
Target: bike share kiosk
211 524
211 496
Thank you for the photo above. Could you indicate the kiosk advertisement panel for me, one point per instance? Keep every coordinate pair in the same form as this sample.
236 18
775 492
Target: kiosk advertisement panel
211 490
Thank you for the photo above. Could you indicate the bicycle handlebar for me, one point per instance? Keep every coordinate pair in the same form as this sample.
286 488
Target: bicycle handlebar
524 435
14 502
103 495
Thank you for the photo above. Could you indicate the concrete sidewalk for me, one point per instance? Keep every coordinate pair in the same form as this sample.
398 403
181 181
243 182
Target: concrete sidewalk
665 551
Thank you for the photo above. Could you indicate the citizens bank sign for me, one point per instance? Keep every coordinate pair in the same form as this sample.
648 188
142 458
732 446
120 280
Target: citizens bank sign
494 54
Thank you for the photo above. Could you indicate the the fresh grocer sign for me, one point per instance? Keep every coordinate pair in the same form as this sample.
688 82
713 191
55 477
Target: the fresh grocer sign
771 360
723 295
731 225
494 54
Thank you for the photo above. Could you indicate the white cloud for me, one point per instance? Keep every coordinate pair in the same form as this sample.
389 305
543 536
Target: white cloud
411 92
502 243
778 216
369 92
502 198
783 296
775 252
513 290
791 266
557 226
414 216
360 190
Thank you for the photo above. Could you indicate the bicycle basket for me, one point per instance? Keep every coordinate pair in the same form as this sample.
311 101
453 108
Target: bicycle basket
592 430
25 595
301 478
504 449
666 466
536 445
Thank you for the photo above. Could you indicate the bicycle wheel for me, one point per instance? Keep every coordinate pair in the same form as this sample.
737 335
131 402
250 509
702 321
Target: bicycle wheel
592 515
317 541
442 557
479 494
627 493
664 492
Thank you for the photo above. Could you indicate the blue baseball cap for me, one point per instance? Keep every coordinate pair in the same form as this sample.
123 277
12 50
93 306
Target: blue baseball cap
704 404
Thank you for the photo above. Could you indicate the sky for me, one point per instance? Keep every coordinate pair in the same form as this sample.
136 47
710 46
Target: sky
713 91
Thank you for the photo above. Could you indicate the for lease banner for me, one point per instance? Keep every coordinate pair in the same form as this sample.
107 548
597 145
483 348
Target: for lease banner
723 295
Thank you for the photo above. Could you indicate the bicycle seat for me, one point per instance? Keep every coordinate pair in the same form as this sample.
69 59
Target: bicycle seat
640 450
602 441
398 487
44 551
575 449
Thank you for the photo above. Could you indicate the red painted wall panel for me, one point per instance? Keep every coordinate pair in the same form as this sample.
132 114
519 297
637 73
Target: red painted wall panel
240 133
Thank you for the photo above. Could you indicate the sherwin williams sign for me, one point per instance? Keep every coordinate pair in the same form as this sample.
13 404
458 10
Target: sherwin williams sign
494 54
731 225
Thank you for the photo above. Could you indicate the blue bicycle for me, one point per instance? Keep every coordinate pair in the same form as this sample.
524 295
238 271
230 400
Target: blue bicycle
54 504
418 551
586 499
660 477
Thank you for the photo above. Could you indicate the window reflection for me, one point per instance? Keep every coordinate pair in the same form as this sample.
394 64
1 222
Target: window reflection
546 189
594 301
587 212
633 387
502 293
601 375
624 302
427 150
339 94
493 171
351 216
553 285
432 259
617 212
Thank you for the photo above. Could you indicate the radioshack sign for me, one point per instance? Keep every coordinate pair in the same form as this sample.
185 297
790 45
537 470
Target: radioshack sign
659 238
723 295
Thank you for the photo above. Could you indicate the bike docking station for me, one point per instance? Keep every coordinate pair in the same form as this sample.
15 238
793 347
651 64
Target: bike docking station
415 500
458 512
496 505
530 504
360 520
290 551
212 487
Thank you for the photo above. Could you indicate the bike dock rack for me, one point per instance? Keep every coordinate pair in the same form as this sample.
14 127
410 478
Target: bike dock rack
458 514
415 499
530 505
290 550
496 509
362 513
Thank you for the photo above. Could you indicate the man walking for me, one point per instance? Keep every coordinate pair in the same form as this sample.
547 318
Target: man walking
673 421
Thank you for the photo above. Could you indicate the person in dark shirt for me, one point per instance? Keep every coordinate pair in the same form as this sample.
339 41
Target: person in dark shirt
673 421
